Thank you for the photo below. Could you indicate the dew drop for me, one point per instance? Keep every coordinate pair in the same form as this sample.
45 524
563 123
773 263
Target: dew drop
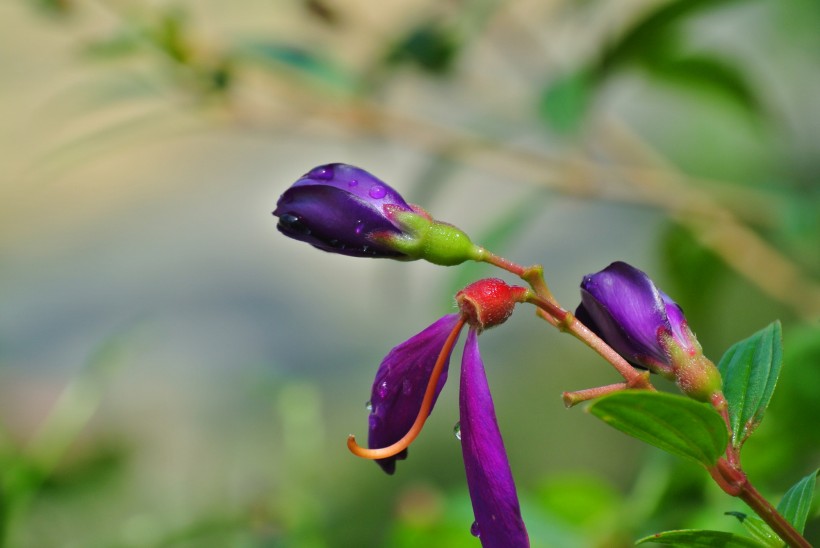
353 182
377 192
474 530
369 406
323 172
293 224
457 431
359 227
382 389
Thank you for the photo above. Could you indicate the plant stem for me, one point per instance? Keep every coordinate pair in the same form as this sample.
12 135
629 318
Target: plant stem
734 482
551 311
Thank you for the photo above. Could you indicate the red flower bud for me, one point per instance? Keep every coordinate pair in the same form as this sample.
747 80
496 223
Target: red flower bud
489 302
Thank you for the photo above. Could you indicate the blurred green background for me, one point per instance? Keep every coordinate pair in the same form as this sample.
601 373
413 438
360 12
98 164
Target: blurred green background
174 372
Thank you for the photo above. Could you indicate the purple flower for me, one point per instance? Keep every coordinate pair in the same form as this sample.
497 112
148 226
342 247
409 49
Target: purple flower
344 209
489 478
625 308
339 208
645 326
408 383
400 384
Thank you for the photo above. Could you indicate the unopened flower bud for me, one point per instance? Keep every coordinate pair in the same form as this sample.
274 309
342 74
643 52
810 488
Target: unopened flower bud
645 326
337 207
343 209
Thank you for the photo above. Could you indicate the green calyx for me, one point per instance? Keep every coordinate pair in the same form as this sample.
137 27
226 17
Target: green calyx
433 241
694 373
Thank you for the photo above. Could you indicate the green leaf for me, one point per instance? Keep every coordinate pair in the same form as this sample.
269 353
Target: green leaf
796 502
432 46
759 530
676 424
565 102
750 370
656 33
700 72
701 539
694 272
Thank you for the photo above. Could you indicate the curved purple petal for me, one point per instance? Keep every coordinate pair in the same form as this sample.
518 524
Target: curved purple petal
355 181
627 311
336 207
401 381
677 321
497 513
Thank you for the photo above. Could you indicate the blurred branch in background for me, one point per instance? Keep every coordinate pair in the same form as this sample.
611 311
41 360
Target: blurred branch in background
573 147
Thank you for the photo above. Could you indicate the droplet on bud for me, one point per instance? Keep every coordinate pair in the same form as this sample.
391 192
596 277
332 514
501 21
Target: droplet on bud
457 431
369 406
474 530
377 192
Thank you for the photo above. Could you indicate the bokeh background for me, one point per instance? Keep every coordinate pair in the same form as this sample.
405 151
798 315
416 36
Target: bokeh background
174 372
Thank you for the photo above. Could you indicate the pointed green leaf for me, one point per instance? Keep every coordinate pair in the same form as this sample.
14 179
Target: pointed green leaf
676 424
657 32
759 530
796 502
750 370
702 539
707 73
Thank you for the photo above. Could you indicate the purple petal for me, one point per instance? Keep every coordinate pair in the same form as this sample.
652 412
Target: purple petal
336 207
627 310
355 181
400 384
498 520
677 321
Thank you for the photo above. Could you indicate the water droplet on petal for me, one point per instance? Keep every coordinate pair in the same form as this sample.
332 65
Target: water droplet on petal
406 387
382 389
457 431
323 172
353 182
359 227
474 530
377 192
369 406
294 224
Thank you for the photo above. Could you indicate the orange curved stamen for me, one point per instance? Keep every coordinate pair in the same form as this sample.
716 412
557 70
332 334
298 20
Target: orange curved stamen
424 411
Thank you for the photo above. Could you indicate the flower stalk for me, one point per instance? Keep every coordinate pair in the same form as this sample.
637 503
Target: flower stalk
734 482
565 321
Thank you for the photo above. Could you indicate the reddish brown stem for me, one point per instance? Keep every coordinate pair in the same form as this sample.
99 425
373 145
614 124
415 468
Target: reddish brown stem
734 482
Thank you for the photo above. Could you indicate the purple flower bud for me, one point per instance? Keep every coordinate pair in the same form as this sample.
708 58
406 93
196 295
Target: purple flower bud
625 308
339 208
645 326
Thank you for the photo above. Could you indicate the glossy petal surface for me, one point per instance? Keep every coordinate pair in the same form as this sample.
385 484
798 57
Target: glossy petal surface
336 207
498 520
401 381
625 309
